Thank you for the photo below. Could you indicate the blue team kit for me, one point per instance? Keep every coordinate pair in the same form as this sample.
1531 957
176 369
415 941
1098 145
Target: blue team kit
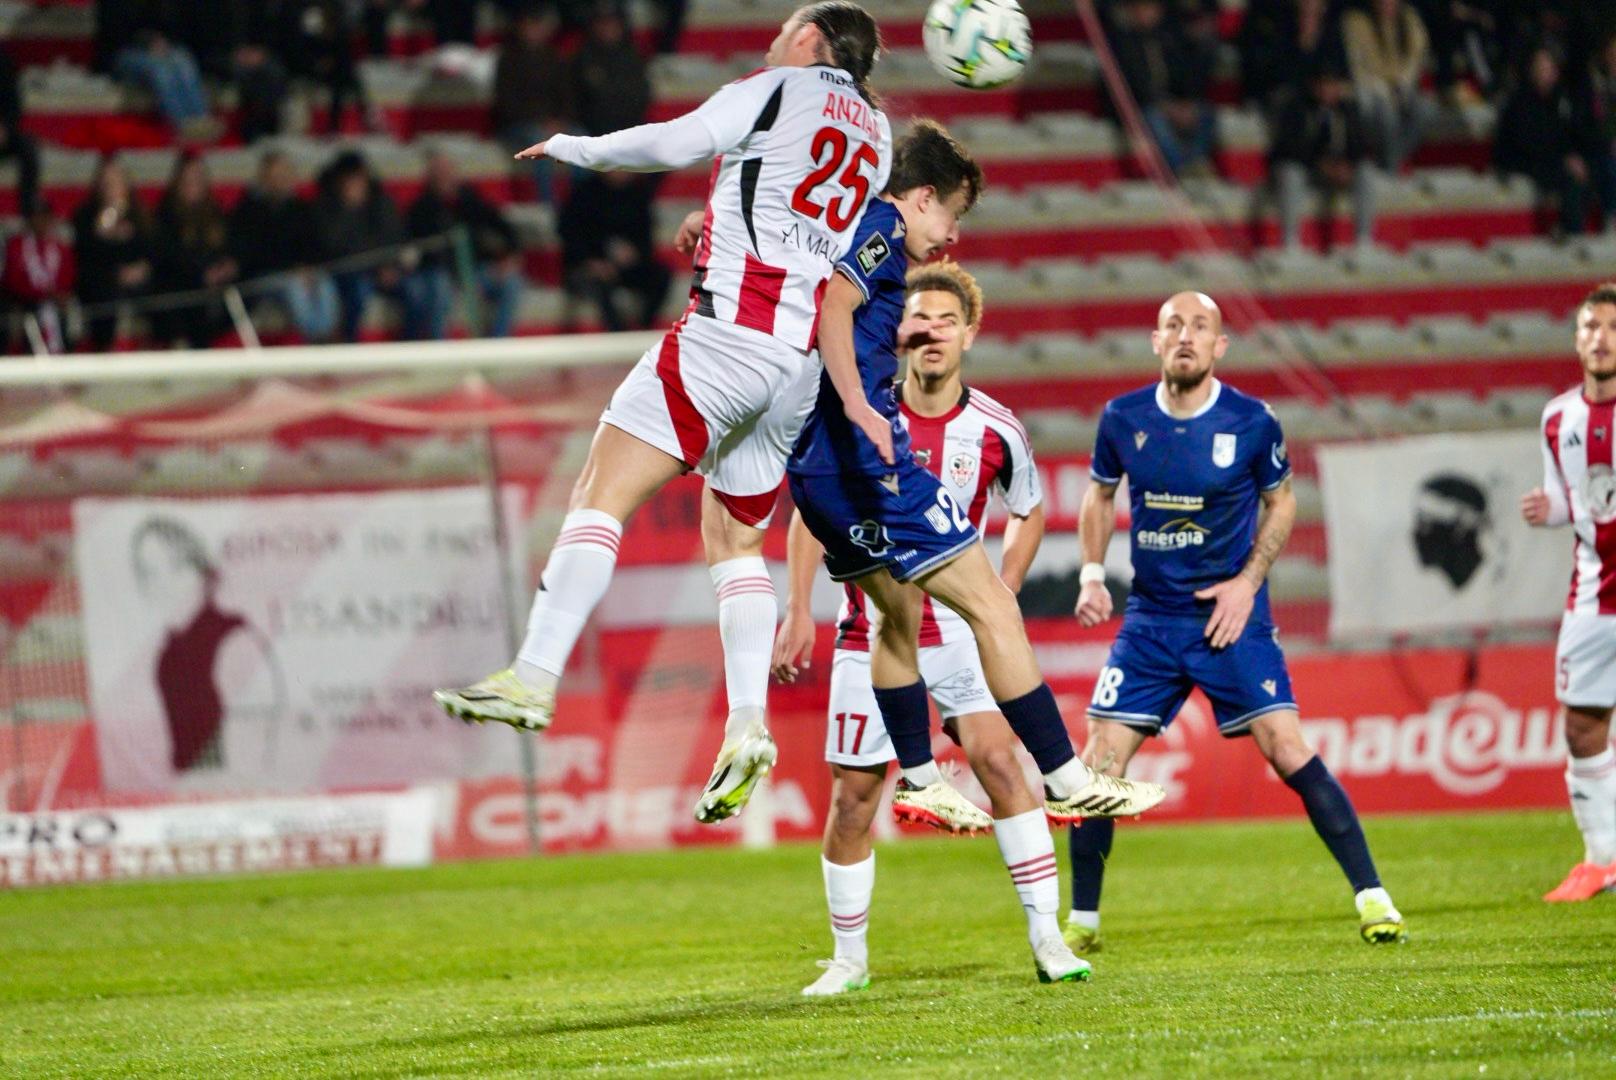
1195 488
868 514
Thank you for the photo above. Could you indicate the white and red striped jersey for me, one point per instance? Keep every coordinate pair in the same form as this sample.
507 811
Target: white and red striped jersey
797 155
1578 477
976 448
786 192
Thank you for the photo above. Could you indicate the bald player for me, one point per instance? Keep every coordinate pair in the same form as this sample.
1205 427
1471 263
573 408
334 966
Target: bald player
1209 486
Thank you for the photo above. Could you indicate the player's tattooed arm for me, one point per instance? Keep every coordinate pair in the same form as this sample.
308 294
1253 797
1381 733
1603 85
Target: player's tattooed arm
1235 598
1096 521
1022 535
1273 530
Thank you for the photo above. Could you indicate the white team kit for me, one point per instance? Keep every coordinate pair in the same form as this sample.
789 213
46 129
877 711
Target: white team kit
797 156
1579 479
974 449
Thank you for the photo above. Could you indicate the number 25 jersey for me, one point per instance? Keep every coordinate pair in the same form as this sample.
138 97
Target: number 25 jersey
800 156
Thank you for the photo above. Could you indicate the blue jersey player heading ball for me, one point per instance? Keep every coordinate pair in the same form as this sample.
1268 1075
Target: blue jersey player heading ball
1209 486
889 526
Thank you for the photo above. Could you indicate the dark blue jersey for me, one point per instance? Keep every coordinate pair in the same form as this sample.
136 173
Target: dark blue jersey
1194 485
878 265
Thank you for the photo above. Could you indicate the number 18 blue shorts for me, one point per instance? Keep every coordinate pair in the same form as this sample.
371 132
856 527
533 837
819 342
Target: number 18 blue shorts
1155 663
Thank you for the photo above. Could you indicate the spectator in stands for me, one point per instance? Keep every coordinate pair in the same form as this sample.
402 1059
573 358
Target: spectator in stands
14 142
272 232
154 59
445 206
610 86
1169 73
1596 124
1281 41
530 90
674 13
1387 51
235 40
192 252
606 245
112 236
1537 136
355 220
1320 145
317 39
1466 41
38 276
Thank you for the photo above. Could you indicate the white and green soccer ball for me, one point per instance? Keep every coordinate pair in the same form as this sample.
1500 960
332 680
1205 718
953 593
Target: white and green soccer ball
978 44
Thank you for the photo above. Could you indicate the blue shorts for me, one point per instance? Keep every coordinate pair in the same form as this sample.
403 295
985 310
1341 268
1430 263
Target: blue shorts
1156 662
903 522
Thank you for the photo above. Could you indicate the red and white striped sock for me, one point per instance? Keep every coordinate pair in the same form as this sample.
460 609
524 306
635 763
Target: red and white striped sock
575 578
1029 855
746 616
1591 782
847 893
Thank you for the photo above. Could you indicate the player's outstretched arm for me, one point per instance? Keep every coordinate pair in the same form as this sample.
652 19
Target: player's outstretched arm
715 127
1096 521
794 641
842 299
1236 597
1022 535
1546 506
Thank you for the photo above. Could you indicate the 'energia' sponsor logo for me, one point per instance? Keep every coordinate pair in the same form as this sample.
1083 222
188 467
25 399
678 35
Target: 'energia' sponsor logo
1466 743
1173 536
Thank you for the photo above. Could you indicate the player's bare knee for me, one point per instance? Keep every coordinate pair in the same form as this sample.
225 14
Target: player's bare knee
855 798
1587 731
723 536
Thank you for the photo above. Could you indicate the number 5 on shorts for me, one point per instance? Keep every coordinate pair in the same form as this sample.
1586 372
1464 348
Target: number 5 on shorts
1105 690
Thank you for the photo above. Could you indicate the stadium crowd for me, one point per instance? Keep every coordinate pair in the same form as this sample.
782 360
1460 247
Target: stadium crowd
1349 88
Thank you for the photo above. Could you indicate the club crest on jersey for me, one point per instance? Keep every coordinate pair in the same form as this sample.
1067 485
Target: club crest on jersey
1139 438
962 467
1601 494
872 253
1271 686
872 537
1222 450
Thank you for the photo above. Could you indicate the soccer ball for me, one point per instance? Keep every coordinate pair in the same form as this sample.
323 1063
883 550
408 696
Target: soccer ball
978 44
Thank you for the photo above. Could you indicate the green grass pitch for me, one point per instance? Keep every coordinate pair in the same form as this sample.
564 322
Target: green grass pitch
1231 950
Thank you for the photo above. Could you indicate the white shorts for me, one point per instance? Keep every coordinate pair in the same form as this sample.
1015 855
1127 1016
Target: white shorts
1585 660
854 732
726 400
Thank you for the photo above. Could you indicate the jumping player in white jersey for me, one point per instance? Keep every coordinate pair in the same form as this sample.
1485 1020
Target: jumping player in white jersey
1210 488
975 447
1579 489
798 149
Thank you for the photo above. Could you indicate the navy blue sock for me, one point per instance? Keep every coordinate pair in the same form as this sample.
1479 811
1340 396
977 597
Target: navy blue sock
1036 720
907 715
1335 821
1090 845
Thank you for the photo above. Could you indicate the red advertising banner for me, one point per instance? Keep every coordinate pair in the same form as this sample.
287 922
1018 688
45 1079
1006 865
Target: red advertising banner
1436 729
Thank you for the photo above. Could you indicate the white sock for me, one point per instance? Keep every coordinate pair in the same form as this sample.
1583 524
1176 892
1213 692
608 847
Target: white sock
1088 920
1029 855
1067 779
922 775
746 616
1591 782
847 893
575 578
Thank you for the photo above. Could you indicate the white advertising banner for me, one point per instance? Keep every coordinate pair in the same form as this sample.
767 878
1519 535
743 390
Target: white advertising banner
1425 534
182 840
277 644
